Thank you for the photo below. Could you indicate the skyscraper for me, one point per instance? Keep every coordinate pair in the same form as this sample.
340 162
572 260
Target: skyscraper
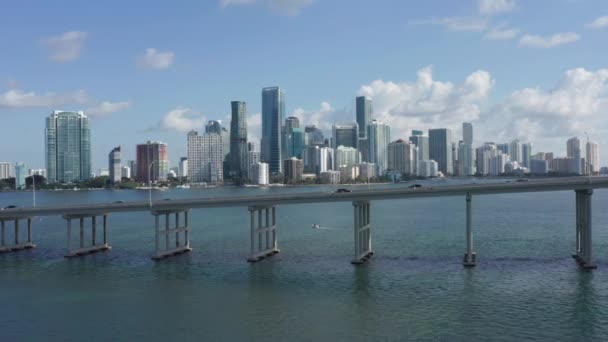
273 109
296 142
402 157
573 150
114 165
133 166
20 174
593 156
238 139
205 158
466 159
526 154
364 114
152 159
183 167
515 151
422 142
215 126
68 147
6 170
378 137
294 168
467 133
345 135
440 149
345 156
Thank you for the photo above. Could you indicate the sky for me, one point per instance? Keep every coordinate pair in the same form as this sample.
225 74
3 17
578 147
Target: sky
530 70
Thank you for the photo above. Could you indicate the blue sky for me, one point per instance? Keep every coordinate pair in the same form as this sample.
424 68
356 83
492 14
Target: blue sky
533 70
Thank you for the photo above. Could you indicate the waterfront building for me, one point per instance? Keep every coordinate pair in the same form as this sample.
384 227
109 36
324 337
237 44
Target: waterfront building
573 150
440 149
114 167
273 109
364 113
378 136
348 173
324 159
526 154
313 136
152 159
259 173
367 170
467 133
345 135
296 142
593 156
515 153
36 172
466 159
238 140
428 168
497 163
125 172
422 142
253 157
294 168
346 156
539 166
330 177
6 170
68 147
215 126
504 148
132 164
403 157
205 158
482 157
20 174
183 167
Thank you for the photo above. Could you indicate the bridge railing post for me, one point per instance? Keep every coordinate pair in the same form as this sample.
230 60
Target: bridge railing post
84 248
263 232
362 232
178 229
17 245
470 256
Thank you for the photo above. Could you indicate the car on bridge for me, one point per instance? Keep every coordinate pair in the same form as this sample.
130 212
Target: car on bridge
415 186
342 190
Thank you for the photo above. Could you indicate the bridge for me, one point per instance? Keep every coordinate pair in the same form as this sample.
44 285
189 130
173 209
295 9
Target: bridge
172 226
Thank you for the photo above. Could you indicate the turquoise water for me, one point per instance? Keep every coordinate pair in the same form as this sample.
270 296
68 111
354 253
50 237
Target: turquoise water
525 287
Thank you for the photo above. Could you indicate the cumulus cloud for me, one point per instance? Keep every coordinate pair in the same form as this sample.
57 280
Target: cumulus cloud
322 118
284 7
473 24
181 119
67 46
489 7
501 32
546 42
15 98
599 22
154 59
106 108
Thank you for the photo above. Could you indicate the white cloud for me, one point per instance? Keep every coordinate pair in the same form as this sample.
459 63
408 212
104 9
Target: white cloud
323 117
546 42
15 98
181 119
67 46
254 129
599 22
284 7
427 103
489 7
473 24
106 108
154 59
501 32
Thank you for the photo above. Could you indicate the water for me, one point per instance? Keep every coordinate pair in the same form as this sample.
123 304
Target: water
526 286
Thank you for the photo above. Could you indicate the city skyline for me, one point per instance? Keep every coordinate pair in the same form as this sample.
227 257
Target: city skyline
477 70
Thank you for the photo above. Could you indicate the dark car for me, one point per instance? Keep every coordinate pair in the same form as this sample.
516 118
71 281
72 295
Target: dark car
414 186
119 202
10 207
341 190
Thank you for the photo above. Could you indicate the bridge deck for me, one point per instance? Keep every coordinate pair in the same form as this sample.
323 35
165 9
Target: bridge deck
550 184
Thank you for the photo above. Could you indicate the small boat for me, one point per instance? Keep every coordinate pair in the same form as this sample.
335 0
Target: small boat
315 226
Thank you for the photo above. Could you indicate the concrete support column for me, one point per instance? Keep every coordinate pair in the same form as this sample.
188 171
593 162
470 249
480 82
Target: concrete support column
16 245
264 230
179 248
470 256
362 232
83 247
584 229
2 234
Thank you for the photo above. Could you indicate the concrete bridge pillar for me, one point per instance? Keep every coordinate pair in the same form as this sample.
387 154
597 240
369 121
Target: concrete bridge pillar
470 256
83 248
263 232
584 240
362 230
17 245
179 228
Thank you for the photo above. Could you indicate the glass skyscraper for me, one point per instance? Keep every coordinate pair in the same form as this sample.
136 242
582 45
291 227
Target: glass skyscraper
273 110
378 136
238 139
68 147
440 149
364 114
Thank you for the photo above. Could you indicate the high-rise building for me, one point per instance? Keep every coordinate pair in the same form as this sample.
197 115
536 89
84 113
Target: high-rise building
482 158
215 126
428 168
367 170
324 159
345 135
273 109
6 170
526 154
114 166
593 156
253 157
205 158
259 173
330 177
378 137
133 166
291 123
573 149
402 157
294 168
504 148
296 142
183 167
416 133
498 163
364 114
238 140
440 149
422 142
346 156
539 166
467 133
36 172
68 147
20 174
515 152
125 172
152 160
313 136
466 159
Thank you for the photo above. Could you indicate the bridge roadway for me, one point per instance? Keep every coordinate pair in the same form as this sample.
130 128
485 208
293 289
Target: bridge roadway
265 205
